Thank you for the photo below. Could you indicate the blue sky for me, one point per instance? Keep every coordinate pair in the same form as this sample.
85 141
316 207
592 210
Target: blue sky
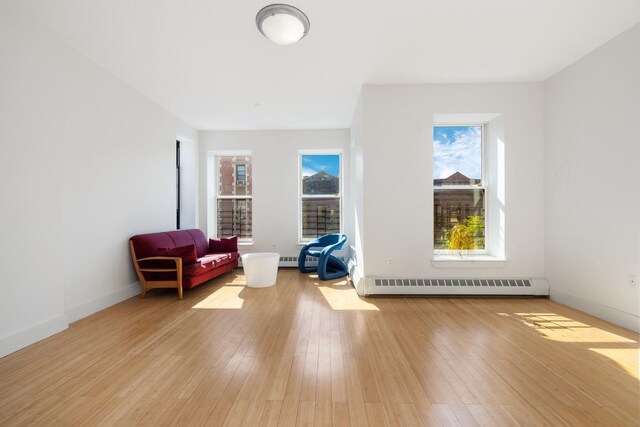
457 149
314 163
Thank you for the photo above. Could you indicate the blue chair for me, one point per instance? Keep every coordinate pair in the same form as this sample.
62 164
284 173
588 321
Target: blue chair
329 266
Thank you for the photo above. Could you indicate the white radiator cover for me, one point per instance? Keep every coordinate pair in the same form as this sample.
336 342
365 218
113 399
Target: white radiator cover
457 286
292 261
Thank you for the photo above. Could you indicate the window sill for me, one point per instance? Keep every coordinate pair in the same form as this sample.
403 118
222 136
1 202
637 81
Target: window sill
246 243
468 261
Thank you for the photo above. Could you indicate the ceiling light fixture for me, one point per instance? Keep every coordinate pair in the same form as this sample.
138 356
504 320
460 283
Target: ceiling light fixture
282 24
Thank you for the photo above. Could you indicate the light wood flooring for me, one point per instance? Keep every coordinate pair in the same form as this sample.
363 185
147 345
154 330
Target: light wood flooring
307 352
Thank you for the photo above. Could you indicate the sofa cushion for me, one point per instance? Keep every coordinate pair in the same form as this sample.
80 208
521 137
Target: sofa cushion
199 239
205 264
187 253
226 257
189 237
197 268
224 244
216 259
146 245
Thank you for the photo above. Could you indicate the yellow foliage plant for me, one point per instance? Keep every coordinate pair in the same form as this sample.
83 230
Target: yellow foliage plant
461 237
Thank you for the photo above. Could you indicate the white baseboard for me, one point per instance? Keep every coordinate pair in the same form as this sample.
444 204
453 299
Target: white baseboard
33 334
610 314
50 327
83 310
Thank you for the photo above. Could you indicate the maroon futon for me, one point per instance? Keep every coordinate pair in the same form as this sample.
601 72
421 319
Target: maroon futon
181 259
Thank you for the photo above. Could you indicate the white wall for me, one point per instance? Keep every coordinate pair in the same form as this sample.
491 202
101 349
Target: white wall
85 163
275 181
398 175
592 195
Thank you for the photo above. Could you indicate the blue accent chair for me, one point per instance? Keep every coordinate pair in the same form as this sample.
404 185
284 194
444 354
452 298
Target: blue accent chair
329 266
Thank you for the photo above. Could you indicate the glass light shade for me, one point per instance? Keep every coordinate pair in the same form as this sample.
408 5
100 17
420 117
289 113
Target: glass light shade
282 24
282 29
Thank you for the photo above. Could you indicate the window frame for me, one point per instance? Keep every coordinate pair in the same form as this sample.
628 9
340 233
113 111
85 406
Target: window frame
481 186
217 156
340 196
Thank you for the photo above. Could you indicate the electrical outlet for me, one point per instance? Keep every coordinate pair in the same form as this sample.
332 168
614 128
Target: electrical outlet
274 245
633 280
389 261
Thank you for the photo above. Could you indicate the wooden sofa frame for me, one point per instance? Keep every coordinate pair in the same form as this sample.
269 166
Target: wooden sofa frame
152 284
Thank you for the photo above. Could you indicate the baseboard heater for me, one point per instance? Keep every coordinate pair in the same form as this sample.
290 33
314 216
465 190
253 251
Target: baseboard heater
292 261
460 286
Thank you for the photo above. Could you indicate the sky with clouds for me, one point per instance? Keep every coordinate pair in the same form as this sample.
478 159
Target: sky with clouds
314 163
457 149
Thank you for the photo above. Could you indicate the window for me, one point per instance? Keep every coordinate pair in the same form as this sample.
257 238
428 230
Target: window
233 197
241 174
459 189
320 195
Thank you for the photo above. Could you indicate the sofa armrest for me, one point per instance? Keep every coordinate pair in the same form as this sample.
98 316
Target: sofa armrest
152 258
177 260
146 284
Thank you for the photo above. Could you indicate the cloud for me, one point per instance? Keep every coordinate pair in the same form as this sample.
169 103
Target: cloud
314 163
457 149
308 171
309 163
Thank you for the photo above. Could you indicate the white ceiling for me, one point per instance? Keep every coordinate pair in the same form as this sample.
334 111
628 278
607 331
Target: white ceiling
205 61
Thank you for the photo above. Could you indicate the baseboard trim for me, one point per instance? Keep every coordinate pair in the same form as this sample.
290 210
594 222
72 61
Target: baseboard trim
32 335
87 309
610 314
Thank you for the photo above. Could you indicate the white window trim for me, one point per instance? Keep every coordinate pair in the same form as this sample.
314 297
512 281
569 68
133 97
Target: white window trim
468 261
339 152
444 255
213 166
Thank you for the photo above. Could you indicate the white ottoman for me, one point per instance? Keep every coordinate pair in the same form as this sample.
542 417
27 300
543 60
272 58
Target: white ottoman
260 269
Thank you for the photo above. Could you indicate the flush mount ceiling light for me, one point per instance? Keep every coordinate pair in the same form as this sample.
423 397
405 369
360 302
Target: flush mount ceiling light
282 24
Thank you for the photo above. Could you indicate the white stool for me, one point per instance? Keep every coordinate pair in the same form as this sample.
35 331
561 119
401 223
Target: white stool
260 269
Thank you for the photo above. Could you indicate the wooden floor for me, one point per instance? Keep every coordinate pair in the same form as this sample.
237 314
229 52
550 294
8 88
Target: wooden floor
307 352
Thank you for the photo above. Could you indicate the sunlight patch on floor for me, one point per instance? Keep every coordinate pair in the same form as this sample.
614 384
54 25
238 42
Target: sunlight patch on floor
626 358
227 297
345 298
560 328
237 280
563 329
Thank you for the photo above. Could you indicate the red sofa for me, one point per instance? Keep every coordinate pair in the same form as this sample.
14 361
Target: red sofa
157 270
